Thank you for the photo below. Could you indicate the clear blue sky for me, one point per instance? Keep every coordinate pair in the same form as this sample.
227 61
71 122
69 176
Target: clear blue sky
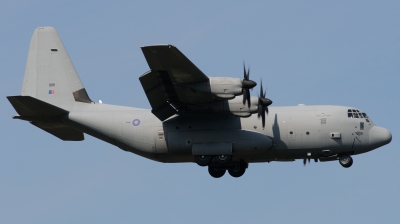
312 52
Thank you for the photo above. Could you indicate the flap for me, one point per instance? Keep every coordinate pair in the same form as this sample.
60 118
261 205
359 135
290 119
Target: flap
169 58
160 95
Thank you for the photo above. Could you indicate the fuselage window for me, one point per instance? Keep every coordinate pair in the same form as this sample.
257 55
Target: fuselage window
361 125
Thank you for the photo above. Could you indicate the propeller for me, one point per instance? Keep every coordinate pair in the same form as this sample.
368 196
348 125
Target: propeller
247 84
263 104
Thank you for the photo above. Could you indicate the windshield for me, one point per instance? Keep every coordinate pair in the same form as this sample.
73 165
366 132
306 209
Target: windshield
353 113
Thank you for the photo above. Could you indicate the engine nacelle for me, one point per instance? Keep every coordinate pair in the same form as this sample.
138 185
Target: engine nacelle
235 107
222 87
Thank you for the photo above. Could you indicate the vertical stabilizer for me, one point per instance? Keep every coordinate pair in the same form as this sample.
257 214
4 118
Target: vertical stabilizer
50 75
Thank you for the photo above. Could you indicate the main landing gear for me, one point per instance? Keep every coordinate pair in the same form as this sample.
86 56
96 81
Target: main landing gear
203 160
216 172
234 170
221 165
345 160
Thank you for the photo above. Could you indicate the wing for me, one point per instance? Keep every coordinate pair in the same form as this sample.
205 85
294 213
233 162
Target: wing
175 85
164 84
168 58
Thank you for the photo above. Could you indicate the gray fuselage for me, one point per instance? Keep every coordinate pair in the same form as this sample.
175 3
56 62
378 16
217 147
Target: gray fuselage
295 131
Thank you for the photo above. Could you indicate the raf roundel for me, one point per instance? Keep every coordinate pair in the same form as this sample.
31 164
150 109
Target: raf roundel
136 122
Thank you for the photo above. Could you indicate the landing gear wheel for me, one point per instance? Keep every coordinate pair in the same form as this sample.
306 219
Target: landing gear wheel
237 171
203 160
346 161
215 172
223 159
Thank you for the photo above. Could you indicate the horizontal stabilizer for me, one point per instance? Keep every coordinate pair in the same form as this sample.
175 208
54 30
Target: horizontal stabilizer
31 107
44 116
61 131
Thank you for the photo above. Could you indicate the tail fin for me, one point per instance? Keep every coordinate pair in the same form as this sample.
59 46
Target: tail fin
50 75
51 86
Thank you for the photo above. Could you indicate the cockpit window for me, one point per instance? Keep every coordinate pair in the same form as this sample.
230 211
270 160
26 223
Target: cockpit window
353 113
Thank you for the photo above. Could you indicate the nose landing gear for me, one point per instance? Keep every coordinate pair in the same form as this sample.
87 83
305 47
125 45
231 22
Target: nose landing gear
346 161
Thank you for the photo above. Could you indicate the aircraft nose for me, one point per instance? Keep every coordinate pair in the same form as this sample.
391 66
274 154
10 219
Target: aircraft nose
379 136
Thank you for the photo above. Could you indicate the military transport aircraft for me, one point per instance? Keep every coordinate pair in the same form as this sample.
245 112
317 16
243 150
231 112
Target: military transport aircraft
212 121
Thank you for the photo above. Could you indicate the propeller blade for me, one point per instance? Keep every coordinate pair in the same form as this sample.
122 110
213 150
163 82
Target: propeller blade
304 162
263 120
244 72
260 111
248 97
244 96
